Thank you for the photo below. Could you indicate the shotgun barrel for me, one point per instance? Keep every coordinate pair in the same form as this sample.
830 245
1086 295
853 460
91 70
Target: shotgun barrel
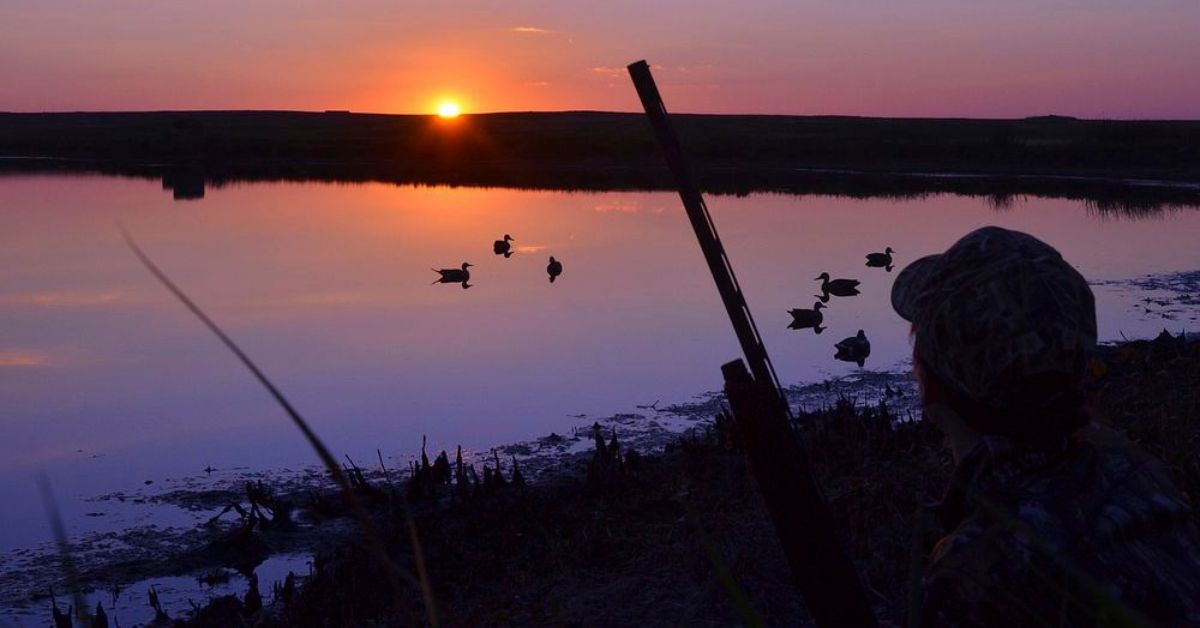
823 573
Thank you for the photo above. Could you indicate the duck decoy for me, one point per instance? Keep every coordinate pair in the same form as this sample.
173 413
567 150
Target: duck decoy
881 260
502 247
804 319
836 287
854 349
554 268
454 275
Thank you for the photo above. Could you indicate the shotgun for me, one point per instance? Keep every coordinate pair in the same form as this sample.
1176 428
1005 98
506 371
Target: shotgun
823 573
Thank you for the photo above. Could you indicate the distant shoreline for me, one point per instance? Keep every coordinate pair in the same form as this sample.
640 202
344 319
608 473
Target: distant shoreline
1143 164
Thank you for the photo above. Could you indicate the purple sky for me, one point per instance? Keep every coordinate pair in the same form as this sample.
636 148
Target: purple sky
1092 58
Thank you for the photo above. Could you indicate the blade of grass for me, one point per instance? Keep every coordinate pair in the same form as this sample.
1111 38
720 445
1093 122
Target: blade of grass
741 601
374 539
387 476
422 573
66 560
916 567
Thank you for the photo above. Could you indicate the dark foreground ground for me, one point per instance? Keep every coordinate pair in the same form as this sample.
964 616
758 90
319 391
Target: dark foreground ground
737 154
677 538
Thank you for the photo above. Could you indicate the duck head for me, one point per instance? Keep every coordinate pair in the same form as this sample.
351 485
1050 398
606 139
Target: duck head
888 250
551 259
818 329
818 305
862 335
508 237
822 277
466 265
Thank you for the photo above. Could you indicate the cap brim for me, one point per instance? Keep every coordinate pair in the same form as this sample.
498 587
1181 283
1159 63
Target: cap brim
910 284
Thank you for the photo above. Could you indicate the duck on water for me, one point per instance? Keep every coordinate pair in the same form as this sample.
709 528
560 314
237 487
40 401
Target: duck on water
806 319
502 247
836 287
854 349
455 275
881 260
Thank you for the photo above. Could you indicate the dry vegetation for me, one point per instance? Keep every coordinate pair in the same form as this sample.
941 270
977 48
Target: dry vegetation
645 539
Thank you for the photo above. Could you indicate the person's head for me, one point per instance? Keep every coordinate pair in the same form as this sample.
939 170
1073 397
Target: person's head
1003 330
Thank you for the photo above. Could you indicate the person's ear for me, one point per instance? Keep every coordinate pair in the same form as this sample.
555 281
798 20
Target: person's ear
930 391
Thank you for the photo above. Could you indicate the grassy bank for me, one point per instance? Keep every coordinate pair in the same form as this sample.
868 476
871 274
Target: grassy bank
596 150
679 537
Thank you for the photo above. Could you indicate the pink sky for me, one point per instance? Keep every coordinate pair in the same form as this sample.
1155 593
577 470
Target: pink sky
1089 58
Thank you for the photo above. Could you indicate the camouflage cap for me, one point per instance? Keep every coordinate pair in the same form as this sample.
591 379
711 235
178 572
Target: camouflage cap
997 310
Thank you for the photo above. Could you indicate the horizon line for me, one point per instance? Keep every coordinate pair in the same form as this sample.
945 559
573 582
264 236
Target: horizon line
1049 116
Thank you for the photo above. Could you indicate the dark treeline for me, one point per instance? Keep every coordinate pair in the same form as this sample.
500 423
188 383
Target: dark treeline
1046 156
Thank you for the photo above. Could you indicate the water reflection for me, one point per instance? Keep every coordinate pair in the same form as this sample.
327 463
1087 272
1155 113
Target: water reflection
856 349
184 185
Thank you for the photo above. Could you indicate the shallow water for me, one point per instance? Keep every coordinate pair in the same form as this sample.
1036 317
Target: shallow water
106 383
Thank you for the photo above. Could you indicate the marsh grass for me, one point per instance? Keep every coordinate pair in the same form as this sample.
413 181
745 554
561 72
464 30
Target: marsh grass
662 544
66 560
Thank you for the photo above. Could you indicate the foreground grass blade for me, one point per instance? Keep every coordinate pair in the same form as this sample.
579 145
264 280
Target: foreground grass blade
374 539
66 560
741 602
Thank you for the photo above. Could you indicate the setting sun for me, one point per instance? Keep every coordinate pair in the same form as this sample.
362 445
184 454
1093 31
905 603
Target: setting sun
449 110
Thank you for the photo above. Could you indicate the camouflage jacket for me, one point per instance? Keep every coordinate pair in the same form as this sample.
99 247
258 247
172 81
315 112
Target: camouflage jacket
1095 535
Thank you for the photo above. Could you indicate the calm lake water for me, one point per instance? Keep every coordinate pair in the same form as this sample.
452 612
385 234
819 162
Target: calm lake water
106 382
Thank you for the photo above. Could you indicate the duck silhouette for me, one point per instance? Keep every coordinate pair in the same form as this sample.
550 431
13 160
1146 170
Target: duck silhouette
854 349
554 269
805 319
502 247
455 275
881 260
836 287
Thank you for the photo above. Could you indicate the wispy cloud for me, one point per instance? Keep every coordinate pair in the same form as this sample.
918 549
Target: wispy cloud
537 83
335 299
19 359
529 30
621 207
62 299
609 72
619 73
692 69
